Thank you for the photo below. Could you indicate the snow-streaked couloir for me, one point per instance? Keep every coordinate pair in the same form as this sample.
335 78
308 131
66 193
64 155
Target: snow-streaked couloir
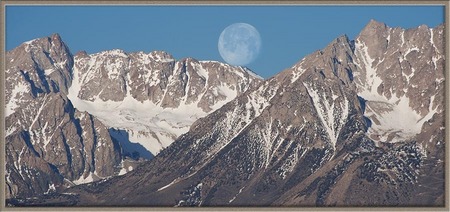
151 98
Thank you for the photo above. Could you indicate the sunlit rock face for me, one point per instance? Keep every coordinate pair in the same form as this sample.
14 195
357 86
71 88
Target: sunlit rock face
326 132
401 78
77 119
152 98
49 144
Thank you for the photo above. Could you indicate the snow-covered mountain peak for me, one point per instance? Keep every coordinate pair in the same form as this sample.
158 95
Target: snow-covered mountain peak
111 53
77 119
355 116
393 65
160 55
45 61
151 96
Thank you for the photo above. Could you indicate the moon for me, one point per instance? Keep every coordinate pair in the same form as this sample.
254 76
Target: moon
239 44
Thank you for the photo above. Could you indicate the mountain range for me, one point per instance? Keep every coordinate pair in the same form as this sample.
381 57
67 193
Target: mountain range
358 123
77 119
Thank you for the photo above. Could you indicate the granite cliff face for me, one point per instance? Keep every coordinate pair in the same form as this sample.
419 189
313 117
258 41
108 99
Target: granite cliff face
360 123
77 119
151 99
48 142
401 78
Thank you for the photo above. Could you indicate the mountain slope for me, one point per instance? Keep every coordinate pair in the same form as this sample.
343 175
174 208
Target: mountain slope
77 119
396 65
48 142
151 97
305 137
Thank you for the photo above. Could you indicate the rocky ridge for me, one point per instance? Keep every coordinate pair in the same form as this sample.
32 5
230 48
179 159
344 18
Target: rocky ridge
48 142
57 129
120 89
396 65
316 134
313 135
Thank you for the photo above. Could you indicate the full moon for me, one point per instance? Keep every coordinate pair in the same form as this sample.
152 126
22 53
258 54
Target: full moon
239 44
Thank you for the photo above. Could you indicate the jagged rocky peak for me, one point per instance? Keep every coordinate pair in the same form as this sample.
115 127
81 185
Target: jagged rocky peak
327 78
303 136
114 74
375 34
161 55
335 60
36 68
394 68
53 47
266 140
61 147
263 143
46 61
156 77
356 116
49 143
81 54
54 139
145 90
102 74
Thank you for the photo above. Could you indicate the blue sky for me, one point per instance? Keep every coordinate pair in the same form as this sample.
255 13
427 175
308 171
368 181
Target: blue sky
288 33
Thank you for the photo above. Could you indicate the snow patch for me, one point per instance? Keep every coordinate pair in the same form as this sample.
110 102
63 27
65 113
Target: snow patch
415 48
10 131
16 96
260 99
49 71
372 81
51 188
48 139
168 185
297 71
291 161
395 119
114 52
227 91
36 117
408 77
148 124
124 169
434 58
332 116
388 38
29 42
202 72
232 199
253 74
61 64
90 178
403 38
